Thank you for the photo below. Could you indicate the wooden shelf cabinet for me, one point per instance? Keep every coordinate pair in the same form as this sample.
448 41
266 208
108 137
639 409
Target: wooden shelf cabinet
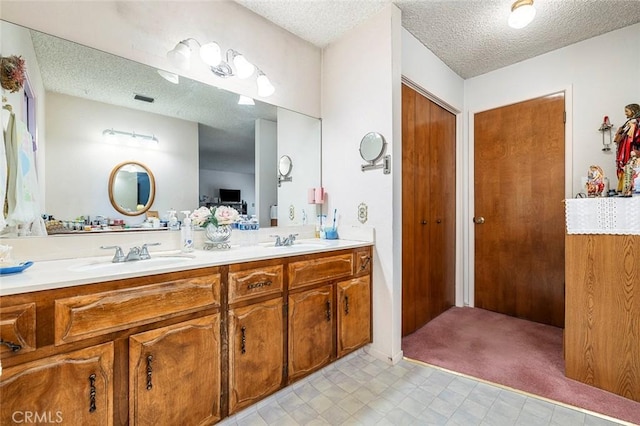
601 345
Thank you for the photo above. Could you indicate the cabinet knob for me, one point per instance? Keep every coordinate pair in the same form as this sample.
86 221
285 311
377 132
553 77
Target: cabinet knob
424 222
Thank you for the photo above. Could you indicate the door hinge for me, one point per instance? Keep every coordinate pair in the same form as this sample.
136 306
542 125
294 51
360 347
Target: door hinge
285 309
285 370
564 117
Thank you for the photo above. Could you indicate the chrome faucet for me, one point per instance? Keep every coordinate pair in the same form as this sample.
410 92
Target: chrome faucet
288 241
135 253
118 257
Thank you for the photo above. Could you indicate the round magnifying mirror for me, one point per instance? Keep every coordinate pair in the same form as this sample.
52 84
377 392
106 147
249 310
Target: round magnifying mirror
285 165
372 147
132 188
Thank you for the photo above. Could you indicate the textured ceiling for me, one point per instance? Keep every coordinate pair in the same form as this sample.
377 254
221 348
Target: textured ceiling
470 36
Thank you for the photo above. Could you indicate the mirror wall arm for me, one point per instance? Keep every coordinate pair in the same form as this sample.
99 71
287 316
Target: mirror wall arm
385 165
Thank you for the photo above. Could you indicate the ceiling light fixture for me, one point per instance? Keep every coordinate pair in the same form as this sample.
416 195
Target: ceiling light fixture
234 63
522 13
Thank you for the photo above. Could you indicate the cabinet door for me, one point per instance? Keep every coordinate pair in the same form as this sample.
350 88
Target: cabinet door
354 314
74 388
174 374
256 352
310 330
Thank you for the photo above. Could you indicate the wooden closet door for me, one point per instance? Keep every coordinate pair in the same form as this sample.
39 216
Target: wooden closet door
518 190
428 194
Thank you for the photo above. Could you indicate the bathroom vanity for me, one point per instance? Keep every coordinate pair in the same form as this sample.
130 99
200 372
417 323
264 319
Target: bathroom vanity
192 344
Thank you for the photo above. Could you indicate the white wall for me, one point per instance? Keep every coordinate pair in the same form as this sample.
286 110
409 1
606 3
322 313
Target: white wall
299 138
80 160
602 74
361 94
145 30
265 179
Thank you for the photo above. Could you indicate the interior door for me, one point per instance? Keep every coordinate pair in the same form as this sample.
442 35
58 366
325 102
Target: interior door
519 213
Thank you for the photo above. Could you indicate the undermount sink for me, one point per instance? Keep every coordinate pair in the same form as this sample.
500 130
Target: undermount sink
133 265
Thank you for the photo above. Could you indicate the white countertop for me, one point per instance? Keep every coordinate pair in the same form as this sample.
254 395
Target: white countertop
51 274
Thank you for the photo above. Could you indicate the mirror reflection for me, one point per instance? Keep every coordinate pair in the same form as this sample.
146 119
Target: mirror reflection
206 140
132 188
372 147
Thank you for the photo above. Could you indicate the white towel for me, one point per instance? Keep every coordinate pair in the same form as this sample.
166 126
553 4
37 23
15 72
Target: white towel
22 189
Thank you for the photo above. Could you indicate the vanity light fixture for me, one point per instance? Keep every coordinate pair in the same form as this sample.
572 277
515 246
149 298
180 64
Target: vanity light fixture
111 134
522 13
169 76
234 63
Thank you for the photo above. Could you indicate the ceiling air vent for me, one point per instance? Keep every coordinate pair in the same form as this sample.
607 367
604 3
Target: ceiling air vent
143 98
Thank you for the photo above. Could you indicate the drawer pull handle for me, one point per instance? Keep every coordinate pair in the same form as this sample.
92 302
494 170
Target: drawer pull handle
92 393
259 284
365 263
149 371
346 305
243 344
13 346
328 312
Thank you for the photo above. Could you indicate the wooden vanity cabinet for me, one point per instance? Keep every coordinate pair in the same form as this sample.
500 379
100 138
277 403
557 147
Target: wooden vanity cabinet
311 331
256 332
74 388
174 374
354 314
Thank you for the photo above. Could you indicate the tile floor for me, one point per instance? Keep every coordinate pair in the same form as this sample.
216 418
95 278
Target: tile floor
362 390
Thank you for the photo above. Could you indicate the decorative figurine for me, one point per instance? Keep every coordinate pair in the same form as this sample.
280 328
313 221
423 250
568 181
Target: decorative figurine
630 175
628 140
595 182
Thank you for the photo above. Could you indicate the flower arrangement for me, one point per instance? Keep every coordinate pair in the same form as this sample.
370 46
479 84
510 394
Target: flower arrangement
12 72
221 215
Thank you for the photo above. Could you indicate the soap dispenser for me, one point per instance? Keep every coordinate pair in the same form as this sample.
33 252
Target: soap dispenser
186 233
173 224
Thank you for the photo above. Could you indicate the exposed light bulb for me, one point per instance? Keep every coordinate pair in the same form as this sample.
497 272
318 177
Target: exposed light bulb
522 13
180 55
244 68
265 88
210 54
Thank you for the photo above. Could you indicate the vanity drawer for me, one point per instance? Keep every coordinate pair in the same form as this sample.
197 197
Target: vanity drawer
256 282
81 317
320 269
362 264
17 329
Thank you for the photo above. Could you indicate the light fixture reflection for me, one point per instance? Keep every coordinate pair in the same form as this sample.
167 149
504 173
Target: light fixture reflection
169 76
113 136
245 100
522 13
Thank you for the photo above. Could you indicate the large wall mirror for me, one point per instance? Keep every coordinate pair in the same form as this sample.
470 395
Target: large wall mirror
207 141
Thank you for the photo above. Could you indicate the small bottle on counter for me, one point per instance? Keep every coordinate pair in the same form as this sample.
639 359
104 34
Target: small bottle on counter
187 233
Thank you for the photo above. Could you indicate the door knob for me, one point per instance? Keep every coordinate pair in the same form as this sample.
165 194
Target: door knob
478 220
